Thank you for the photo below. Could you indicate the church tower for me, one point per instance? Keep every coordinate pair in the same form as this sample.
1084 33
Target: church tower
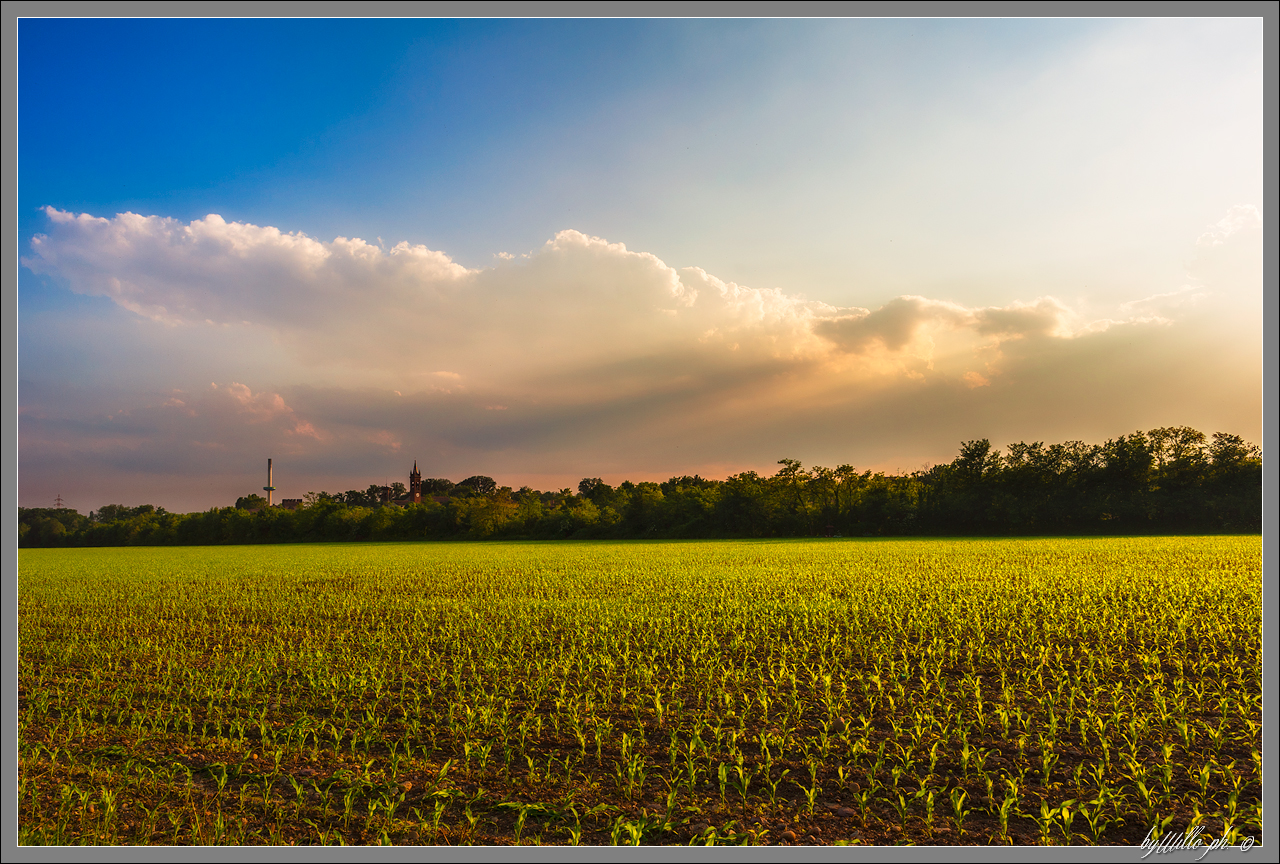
415 484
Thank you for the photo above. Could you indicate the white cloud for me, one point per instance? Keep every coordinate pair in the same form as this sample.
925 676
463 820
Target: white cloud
580 303
230 272
583 354
1239 218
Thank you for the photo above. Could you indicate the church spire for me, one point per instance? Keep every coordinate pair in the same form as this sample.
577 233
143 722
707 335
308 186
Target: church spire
415 484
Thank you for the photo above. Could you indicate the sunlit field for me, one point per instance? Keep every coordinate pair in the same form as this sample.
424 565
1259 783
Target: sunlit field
1056 691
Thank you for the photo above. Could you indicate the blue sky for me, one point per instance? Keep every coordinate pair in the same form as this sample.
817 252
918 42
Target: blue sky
691 139
1102 175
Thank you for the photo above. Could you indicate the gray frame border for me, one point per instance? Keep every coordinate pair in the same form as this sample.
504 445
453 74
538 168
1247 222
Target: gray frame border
1269 11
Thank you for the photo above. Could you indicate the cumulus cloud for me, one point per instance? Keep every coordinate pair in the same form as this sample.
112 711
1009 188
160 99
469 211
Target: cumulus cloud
893 325
231 272
582 350
1045 317
580 302
899 322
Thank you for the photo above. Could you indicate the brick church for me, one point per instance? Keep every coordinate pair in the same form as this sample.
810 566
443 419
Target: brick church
414 495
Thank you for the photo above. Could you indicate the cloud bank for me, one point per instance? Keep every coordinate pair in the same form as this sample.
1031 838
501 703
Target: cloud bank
582 357
579 301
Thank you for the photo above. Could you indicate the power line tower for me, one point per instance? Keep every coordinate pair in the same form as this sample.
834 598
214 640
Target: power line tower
57 502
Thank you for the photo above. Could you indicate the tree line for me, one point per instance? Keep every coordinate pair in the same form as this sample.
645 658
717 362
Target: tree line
1168 480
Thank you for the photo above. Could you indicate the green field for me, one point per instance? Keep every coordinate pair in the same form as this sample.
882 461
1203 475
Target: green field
821 691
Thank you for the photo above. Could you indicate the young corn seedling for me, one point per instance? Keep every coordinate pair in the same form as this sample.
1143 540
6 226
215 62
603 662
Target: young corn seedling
437 813
299 792
1233 803
1166 770
219 772
1147 799
814 788
1217 736
522 813
691 771
1095 816
1202 778
1159 827
958 810
863 800
810 795
472 819
1237 782
348 804
742 782
574 830
1045 821
1006 809
902 808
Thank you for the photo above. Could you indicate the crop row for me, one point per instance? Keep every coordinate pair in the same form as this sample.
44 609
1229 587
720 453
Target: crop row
1050 691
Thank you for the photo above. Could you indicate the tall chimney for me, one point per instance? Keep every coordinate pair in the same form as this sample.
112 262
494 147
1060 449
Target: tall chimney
268 488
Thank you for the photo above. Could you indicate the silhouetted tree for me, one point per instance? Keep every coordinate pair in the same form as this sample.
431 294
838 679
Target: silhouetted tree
479 485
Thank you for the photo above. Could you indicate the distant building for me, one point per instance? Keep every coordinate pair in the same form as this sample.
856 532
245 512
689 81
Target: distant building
415 485
385 494
413 496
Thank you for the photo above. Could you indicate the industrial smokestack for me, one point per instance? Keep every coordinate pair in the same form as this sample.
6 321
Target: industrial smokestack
268 488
